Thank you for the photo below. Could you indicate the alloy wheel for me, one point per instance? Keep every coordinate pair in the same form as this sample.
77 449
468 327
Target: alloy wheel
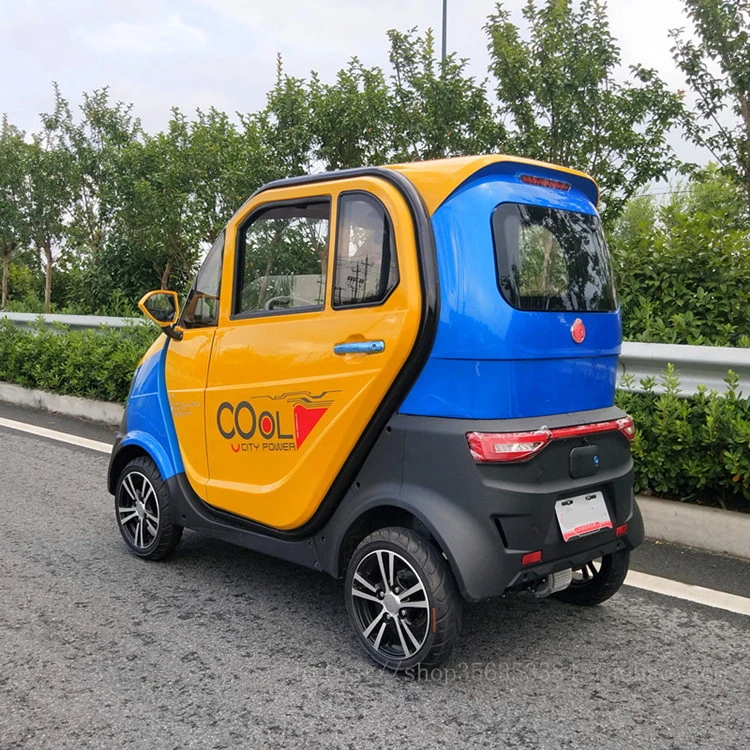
390 604
138 510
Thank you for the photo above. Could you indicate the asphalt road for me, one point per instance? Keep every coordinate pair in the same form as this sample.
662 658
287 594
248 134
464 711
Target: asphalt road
223 648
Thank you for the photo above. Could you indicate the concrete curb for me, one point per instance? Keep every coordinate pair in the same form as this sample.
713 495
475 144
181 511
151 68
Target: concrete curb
70 406
712 529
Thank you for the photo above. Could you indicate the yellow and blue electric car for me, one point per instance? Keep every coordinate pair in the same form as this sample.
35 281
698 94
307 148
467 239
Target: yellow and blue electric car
403 377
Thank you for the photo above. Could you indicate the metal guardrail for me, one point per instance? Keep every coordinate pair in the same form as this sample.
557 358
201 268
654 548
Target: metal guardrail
27 320
706 365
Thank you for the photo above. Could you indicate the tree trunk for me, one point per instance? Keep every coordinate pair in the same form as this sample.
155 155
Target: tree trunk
745 109
165 275
48 280
6 268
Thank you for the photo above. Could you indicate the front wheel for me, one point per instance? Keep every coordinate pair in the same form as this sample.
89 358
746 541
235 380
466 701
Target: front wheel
143 511
598 580
402 600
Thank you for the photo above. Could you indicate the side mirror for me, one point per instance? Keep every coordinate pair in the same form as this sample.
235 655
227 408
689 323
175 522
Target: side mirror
163 308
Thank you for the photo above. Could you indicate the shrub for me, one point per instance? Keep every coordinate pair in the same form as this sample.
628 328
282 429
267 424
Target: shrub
695 448
683 268
93 364
21 282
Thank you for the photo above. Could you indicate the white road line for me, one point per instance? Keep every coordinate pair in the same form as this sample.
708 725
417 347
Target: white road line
688 592
664 586
63 437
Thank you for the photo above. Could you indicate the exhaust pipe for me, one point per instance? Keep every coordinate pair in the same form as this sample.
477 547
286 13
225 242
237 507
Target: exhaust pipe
553 583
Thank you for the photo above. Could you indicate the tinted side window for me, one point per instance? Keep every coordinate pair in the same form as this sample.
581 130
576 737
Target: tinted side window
550 259
366 268
283 259
202 305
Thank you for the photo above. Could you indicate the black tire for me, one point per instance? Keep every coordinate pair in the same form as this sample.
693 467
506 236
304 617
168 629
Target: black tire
143 511
591 585
399 630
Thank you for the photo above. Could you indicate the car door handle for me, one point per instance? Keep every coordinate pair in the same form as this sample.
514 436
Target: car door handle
360 347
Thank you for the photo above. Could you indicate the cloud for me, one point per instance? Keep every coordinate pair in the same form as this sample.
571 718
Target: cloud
311 31
163 36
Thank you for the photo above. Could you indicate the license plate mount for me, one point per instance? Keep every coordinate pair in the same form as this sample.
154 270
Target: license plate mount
582 515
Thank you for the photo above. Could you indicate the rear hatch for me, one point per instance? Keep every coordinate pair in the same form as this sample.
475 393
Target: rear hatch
529 321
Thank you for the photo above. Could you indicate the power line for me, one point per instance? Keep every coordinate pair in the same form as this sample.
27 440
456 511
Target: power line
662 192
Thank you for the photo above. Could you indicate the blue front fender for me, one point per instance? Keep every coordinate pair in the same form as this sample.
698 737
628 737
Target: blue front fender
148 421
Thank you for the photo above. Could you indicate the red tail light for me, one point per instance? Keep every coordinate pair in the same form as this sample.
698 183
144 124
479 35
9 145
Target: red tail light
626 426
506 446
492 447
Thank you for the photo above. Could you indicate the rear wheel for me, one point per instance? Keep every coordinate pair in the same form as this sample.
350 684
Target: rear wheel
143 511
402 600
598 580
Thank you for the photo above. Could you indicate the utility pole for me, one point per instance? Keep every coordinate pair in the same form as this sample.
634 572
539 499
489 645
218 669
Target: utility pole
445 28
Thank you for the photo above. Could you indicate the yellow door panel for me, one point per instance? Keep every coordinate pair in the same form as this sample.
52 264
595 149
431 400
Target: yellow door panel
186 373
283 410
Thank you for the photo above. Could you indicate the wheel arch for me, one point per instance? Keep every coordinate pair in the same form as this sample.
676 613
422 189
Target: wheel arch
359 517
372 519
135 445
119 461
469 546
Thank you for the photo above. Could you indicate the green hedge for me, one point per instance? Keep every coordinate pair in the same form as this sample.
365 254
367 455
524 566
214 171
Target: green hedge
93 364
683 267
695 448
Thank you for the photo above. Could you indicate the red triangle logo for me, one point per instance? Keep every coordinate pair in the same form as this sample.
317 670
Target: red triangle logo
305 421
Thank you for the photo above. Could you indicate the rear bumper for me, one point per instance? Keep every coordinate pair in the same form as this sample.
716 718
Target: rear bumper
486 517
576 553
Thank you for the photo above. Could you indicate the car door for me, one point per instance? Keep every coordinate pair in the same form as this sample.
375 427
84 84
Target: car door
320 310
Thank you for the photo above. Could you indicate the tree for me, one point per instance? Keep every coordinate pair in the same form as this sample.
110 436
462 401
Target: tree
229 163
560 95
49 195
351 118
286 127
94 146
717 68
436 109
714 192
13 220
156 237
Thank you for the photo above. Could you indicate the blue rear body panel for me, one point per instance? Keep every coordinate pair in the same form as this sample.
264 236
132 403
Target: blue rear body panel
490 360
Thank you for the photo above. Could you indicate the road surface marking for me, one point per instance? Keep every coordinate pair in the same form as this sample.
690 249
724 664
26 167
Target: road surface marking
689 592
644 581
63 437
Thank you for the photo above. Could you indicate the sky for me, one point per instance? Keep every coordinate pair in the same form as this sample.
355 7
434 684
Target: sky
201 53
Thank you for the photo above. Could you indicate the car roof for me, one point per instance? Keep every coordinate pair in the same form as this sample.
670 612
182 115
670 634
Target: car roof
438 178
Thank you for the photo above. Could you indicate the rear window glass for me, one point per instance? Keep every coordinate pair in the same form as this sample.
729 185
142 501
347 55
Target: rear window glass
549 259
366 269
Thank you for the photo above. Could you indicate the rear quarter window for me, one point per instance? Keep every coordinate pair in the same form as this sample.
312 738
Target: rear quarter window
549 259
